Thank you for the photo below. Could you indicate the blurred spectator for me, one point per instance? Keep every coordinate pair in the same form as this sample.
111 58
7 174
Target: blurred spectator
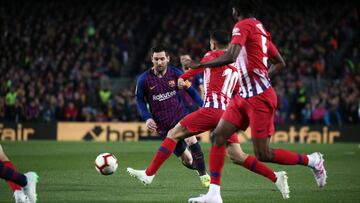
57 54
71 112
10 100
104 96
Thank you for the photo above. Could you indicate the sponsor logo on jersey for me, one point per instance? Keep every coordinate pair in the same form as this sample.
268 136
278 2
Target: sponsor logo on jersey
164 96
236 32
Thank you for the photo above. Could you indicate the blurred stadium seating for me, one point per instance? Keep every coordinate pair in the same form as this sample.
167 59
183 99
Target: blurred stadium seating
57 56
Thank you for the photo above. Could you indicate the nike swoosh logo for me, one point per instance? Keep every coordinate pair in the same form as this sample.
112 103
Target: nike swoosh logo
152 87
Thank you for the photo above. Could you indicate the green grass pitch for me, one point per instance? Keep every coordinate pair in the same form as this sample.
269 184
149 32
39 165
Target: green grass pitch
67 174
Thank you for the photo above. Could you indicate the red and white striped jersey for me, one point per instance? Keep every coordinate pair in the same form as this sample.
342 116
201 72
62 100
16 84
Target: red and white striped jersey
219 82
251 63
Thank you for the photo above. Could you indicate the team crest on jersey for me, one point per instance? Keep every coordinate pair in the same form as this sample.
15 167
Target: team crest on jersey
236 31
172 83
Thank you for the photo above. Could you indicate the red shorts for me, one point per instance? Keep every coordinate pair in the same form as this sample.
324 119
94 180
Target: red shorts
205 119
257 111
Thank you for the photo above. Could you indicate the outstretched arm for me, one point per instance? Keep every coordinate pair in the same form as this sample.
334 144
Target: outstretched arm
229 57
191 73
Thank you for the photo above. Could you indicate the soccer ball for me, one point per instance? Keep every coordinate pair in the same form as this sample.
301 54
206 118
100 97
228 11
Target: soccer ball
106 163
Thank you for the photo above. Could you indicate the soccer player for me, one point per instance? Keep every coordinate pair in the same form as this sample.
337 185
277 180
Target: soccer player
220 84
23 185
158 88
196 80
250 49
197 83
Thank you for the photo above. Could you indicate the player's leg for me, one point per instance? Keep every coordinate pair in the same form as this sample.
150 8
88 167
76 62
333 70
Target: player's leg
315 161
17 181
178 133
251 163
8 172
197 155
217 158
262 128
198 162
204 119
165 150
187 160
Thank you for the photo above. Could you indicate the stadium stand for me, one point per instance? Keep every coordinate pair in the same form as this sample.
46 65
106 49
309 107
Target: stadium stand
59 60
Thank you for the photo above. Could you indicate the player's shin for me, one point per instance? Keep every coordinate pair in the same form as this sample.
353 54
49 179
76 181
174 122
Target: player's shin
254 165
164 152
285 157
216 163
12 175
11 184
198 158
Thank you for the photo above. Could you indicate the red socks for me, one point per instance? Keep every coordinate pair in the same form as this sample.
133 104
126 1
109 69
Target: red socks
164 152
258 167
11 184
282 156
217 159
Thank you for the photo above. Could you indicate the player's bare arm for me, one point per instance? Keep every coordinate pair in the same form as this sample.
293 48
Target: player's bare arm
277 64
229 57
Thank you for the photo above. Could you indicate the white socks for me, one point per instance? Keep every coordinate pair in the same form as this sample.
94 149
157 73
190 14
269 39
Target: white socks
214 189
312 160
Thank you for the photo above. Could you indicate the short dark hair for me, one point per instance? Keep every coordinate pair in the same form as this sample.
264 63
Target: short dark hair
220 36
160 48
246 7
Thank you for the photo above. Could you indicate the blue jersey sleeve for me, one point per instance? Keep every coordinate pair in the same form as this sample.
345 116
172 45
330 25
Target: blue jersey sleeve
191 91
195 96
178 71
140 99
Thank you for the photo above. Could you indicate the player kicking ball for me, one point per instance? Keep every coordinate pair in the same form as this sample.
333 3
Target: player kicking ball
219 86
250 48
23 185
157 88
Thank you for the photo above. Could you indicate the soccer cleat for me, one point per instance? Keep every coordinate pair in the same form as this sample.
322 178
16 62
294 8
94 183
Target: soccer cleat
208 198
20 197
205 180
140 175
319 169
30 188
282 184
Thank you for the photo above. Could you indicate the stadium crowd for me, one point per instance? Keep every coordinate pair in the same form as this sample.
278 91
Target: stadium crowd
55 54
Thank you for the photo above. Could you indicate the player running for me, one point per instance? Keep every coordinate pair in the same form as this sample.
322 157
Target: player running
250 49
158 88
219 85
23 185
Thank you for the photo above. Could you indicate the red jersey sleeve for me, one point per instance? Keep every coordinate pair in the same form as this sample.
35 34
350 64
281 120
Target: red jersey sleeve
240 33
272 50
192 72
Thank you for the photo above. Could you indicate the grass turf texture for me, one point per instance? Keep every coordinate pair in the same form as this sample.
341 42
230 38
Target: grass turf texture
67 174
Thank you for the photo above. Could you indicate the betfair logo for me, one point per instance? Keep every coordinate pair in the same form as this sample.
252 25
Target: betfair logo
107 133
17 132
93 133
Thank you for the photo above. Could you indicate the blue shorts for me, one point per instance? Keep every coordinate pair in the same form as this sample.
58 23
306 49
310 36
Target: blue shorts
180 146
